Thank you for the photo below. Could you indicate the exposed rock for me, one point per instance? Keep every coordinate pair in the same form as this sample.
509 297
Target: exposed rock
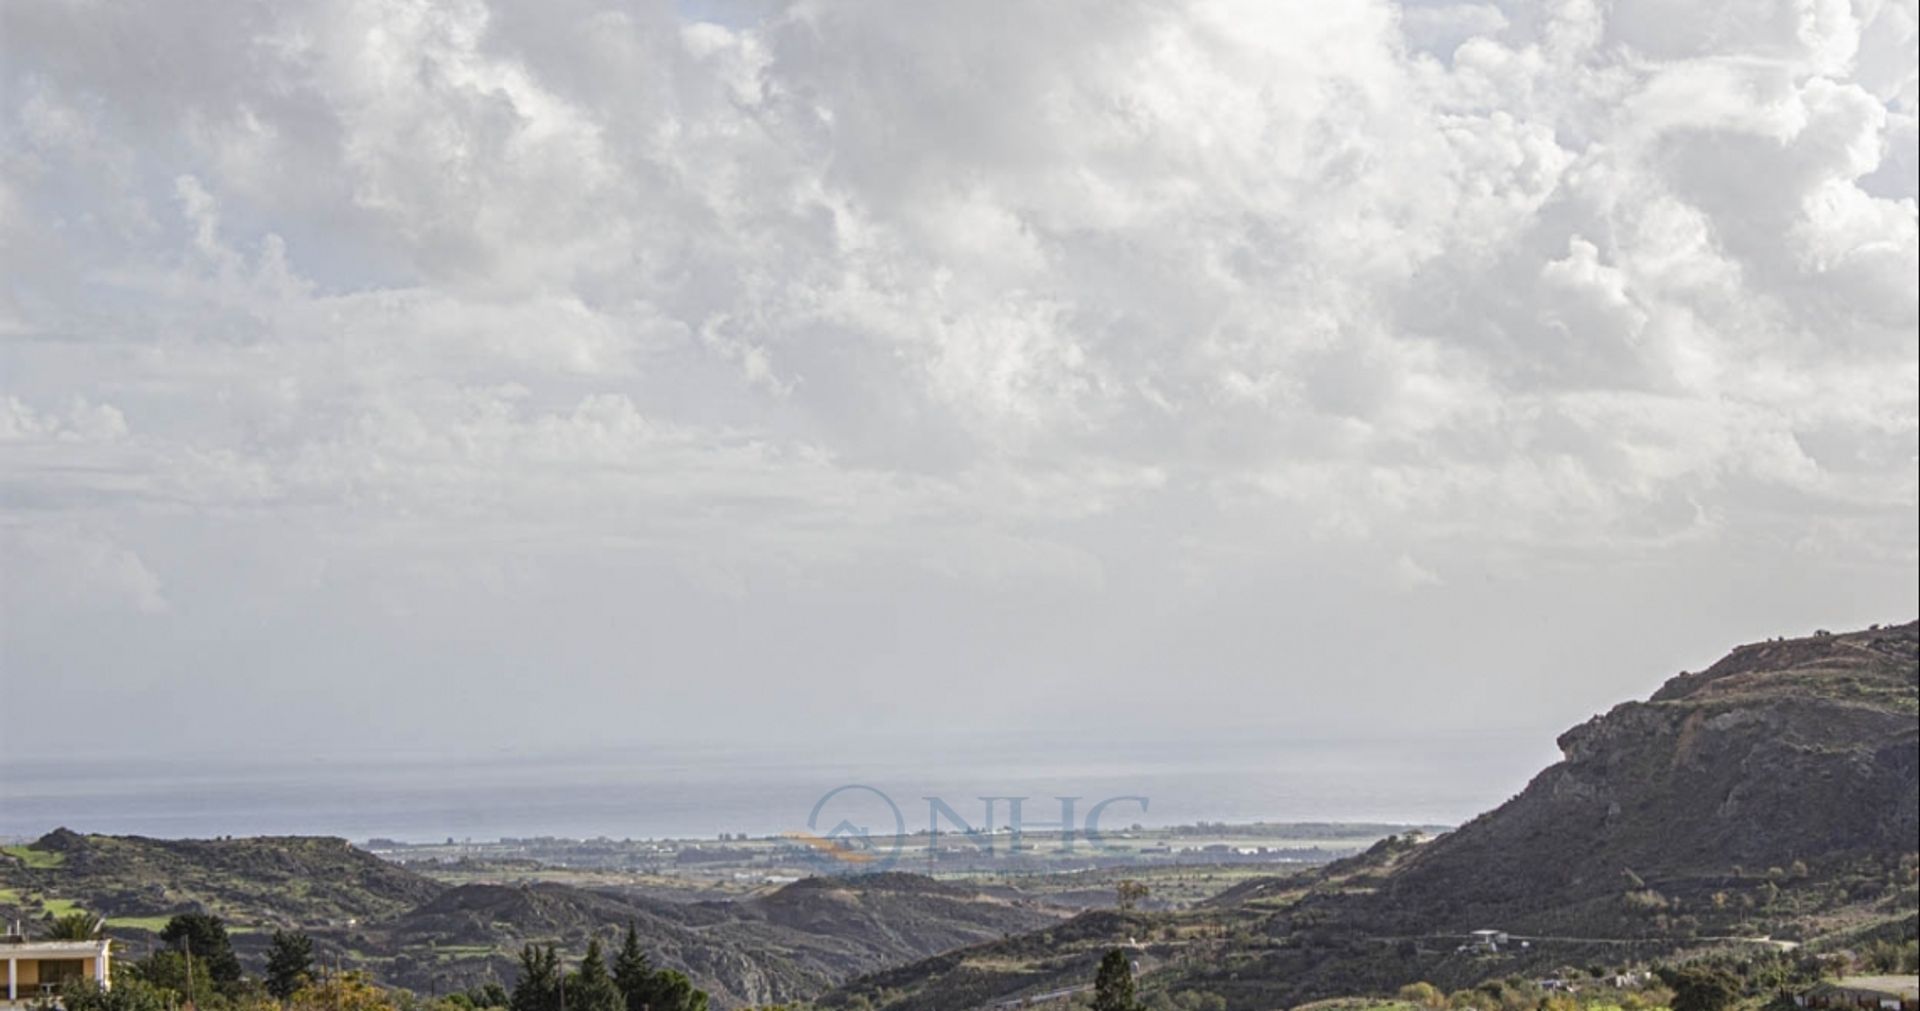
1804 749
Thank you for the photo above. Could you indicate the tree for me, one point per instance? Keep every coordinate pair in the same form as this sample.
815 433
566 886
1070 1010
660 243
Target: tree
128 994
1423 994
632 970
1131 893
289 963
1113 985
488 994
648 989
668 990
591 988
1701 987
345 992
204 936
538 988
168 970
74 926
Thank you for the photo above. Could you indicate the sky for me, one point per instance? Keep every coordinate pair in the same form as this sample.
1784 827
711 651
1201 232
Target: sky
524 377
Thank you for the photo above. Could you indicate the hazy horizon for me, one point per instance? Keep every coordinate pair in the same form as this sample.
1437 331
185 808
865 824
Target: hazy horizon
658 793
502 380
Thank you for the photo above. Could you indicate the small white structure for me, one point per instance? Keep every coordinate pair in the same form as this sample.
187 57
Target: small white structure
1488 940
37 969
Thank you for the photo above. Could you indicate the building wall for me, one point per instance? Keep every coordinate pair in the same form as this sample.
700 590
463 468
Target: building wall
27 973
1855 1000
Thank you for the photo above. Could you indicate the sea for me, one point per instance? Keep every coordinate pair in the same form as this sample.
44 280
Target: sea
700 792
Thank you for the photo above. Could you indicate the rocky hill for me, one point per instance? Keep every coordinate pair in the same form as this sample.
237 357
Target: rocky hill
415 932
1774 795
263 881
1786 760
790 943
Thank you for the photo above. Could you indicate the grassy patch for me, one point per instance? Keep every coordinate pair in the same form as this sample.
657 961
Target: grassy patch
1358 1004
61 907
153 923
455 951
37 859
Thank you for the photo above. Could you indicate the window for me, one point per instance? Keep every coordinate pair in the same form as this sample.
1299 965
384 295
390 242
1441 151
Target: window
55 971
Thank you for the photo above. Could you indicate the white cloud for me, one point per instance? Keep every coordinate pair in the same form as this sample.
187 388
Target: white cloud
997 294
82 568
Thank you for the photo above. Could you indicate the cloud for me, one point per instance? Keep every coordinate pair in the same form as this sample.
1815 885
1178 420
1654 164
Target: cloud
993 295
77 567
1409 575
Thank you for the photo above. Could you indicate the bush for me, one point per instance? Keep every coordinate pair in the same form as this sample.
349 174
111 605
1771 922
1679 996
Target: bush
1424 994
128 994
1701 988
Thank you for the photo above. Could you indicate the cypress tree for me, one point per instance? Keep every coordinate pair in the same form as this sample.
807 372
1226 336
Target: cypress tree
1113 985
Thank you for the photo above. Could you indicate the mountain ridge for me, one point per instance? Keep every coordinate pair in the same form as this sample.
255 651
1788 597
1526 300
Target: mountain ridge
1774 794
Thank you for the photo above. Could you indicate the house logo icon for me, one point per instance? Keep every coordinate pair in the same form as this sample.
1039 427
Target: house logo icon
853 829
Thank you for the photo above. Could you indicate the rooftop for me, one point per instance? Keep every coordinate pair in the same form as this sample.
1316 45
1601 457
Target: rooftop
13 947
1907 987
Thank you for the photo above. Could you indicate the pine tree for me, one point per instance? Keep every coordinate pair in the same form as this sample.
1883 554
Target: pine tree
538 988
1113 985
645 988
289 963
591 988
204 937
633 971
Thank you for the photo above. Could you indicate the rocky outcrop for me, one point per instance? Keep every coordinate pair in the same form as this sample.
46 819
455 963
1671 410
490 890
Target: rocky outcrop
1773 793
1795 751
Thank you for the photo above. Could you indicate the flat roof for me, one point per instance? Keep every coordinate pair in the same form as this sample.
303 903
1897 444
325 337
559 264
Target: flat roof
1892 986
52 949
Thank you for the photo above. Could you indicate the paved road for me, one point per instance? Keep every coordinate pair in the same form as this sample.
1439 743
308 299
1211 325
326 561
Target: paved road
1781 945
1035 998
1769 941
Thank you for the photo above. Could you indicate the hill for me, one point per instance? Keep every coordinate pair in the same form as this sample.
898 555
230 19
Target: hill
793 942
267 881
1773 795
1784 762
415 932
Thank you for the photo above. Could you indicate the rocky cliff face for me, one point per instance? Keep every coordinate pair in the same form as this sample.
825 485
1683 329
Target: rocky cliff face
1774 793
1802 751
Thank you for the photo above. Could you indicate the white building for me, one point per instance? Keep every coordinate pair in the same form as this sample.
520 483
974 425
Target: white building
37 969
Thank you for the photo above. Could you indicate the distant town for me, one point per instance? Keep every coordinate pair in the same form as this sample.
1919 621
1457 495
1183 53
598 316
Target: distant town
739 861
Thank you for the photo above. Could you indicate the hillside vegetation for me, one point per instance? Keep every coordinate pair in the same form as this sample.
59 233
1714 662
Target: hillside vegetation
262 881
1763 811
1770 801
412 931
